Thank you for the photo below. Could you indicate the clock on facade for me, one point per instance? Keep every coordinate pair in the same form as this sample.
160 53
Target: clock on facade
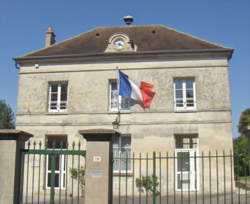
119 43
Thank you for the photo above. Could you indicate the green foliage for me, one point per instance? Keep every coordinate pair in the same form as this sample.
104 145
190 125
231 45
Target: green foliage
244 121
147 184
242 160
6 116
79 174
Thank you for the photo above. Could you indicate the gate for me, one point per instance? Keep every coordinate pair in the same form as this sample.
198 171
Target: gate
52 173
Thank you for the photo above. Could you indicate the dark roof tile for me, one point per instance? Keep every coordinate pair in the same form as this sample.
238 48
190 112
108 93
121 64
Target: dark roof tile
147 38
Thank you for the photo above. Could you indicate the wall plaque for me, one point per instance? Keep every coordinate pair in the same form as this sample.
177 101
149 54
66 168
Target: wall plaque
97 173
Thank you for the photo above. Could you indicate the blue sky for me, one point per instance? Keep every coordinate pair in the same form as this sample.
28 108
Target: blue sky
227 22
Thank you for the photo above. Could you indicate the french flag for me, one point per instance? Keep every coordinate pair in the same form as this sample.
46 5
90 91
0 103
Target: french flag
142 92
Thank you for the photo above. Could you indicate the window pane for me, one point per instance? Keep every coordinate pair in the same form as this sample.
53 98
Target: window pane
178 83
49 179
125 153
53 105
183 181
116 142
113 95
126 166
183 161
64 92
121 151
63 105
56 181
116 159
189 83
179 103
125 142
125 104
189 93
178 142
113 85
64 87
179 94
57 159
49 162
53 97
64 96
190 103
54 87
57 142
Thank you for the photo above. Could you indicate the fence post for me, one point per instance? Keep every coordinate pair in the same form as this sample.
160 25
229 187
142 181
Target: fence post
11 142
154 178
98 177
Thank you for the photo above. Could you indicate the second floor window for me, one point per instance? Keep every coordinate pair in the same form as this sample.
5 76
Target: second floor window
184 94
58 95
115 100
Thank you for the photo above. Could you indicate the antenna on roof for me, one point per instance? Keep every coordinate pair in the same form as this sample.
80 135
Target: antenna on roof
128 19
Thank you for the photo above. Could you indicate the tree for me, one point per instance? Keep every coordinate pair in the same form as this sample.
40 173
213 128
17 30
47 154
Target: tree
241 160
79 174
6 116
148 184
244 121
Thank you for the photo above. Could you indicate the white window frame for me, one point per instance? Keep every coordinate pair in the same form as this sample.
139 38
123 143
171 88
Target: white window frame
119 156
193 175
185 107
115 109
62 169
59 101
61 172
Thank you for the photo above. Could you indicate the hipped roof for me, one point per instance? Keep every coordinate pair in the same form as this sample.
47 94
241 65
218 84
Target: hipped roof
149 38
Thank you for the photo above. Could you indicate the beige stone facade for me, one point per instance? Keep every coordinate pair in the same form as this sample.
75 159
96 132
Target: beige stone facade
88 102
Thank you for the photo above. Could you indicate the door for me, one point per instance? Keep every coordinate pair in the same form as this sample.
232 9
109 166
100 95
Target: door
186 170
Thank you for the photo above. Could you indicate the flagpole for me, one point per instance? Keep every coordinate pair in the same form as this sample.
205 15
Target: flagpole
118 89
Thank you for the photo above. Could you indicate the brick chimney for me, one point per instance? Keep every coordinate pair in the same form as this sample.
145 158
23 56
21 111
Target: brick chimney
50 37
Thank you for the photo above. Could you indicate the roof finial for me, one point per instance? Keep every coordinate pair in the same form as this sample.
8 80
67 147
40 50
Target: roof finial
128 19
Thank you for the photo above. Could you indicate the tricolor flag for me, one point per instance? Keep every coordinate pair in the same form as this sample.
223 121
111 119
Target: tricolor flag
142 92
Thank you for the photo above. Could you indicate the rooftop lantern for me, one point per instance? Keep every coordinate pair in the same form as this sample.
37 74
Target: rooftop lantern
128 19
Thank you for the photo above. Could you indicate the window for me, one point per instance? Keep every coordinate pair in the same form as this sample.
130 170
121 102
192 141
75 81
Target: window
184 94
186 141
186 162
122 154
56 142
114 99
58 93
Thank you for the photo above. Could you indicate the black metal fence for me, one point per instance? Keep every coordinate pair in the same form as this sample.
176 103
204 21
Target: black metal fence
185 176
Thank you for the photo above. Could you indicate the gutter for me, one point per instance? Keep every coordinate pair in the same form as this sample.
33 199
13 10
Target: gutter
91 56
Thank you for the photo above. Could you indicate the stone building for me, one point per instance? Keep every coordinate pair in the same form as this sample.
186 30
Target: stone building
72 85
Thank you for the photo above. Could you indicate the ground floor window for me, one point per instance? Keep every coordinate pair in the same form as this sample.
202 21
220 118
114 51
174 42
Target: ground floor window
122 154
186 162
56 143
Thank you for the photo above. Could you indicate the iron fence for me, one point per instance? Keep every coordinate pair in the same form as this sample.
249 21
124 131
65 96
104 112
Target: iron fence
185 176
54 173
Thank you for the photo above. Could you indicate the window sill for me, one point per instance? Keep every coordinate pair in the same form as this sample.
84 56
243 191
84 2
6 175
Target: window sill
57 113
185 110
